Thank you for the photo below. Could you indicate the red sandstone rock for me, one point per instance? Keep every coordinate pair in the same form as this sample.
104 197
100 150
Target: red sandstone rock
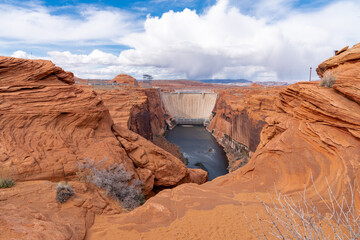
239 118
49 126
346 68
312 134
311 139
29 211
166 169
342 50
125 79
350 56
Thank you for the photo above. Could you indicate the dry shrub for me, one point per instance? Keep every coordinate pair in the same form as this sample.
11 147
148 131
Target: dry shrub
115 180
328 80
288 219
63 192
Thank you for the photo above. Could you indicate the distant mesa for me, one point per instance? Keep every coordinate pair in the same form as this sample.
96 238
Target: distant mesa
255 85
125 79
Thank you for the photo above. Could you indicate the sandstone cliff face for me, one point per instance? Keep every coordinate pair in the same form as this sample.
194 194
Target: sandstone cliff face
137 109
49 125
311 138
239 116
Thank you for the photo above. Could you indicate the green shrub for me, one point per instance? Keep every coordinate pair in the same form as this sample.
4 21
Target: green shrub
63 192
6 183
6 174
328 80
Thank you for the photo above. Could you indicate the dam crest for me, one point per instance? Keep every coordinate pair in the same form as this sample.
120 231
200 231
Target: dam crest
190 107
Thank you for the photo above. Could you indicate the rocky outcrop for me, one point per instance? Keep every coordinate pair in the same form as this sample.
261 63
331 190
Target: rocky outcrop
154 165
30 211
49 125
311 139
137 109
129 108
124 79
345 66
239 116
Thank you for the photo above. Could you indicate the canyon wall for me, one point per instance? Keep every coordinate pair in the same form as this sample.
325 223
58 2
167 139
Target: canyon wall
48 125
189 105
239 117
310 143
310 138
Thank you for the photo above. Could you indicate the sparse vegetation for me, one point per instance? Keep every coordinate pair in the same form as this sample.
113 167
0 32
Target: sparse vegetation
117 182
288 219
5 177
328 80
63 192
6 183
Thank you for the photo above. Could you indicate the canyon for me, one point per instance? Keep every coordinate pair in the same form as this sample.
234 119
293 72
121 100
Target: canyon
301 138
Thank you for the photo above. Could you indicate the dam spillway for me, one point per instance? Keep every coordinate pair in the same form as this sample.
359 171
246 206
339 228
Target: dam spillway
189 107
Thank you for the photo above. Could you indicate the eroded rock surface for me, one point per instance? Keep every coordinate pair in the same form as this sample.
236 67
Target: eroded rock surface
50 125
29 211
125 79
239 118
310 139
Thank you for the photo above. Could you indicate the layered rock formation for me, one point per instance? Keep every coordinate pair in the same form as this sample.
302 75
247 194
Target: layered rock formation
137 109
310 139
49 125
345 66
30 211
239 116
140 110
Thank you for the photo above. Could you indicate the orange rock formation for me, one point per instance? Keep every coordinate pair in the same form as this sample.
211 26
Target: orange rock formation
239 116
310 139
49 125
125 79
137 109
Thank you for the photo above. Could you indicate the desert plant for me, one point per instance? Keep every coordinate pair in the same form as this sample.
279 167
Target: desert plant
328 80
288 219
116 181
6 182
5 177
63 192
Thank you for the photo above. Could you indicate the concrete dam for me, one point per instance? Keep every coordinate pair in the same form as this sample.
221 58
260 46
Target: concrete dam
189 107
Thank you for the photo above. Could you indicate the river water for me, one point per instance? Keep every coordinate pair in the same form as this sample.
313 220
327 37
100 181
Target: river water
200 148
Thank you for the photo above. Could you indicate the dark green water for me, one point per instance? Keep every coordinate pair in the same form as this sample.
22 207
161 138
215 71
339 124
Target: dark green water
200 148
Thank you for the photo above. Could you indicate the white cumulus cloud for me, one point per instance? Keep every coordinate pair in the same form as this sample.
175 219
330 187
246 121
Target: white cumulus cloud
223 40
273 41
34 23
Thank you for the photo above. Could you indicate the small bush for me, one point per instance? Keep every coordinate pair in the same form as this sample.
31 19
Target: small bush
328 80
6 183
117 182
63 192
6 174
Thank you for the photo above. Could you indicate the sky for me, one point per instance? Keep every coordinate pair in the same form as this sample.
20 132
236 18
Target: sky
258 40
